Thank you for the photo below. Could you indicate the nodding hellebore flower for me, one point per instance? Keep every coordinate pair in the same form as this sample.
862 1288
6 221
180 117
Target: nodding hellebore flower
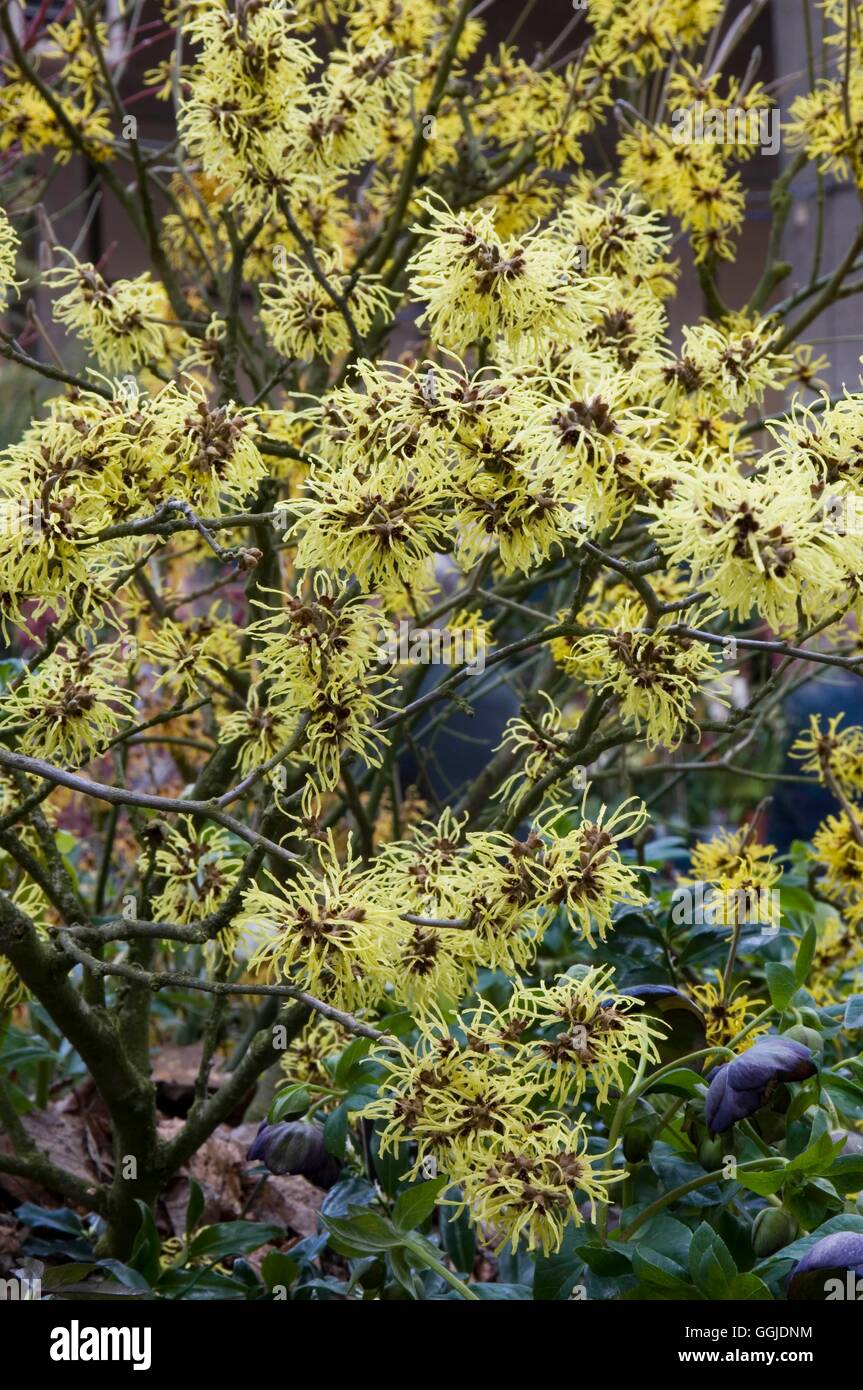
292 1147
740 1087
684 1021
836 1260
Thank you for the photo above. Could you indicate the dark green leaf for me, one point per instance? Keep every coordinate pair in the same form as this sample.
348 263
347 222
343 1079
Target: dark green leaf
233 1238
416 1204
854 1013
748 1288
49 1219
846 1173
293 1100
458 1238
782 984
194 1206
279 1270
710 1263
362 1233
805 954
147 1247
653 1268
336 1131
846 1095
402 1272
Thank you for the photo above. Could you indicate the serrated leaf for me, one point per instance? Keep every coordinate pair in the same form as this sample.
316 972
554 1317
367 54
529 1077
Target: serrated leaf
362 1233
749 1288
711 1265
652 1268
853 1013
782 984
805 954
279 1270
293 1100
336 1132
764 1181
233 1238
194 1206
817 1157
416 1204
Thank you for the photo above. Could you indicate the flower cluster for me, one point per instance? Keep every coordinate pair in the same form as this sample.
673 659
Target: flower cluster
429 912
476 1098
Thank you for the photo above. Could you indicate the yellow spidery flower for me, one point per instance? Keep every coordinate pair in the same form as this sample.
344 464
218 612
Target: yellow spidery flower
838 955
543 744
477 286
322 932
726 1017
722 369
836 848
834 754
9 244
263 727
383 526
819 123
586 876
588 1035
69 708
308 1057
757 542
452 1098
194 654
532 1187
735 857
302 319
122 323
656 674
199 866
742 874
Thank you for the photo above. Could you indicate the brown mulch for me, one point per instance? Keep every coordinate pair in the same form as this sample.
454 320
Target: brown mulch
75 1132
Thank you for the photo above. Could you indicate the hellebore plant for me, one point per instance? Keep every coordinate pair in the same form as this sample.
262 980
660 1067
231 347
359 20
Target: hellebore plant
740 1087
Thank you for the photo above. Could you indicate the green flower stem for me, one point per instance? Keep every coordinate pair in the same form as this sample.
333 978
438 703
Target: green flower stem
640 1084
728 972
703 1181
749 1129
753 1023
676 1065
422 1253
668 1115
624 1106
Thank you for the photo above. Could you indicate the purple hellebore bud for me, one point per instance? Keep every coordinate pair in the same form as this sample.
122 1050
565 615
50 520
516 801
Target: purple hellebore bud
292 1147
740 1087
684 1030
838 1257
